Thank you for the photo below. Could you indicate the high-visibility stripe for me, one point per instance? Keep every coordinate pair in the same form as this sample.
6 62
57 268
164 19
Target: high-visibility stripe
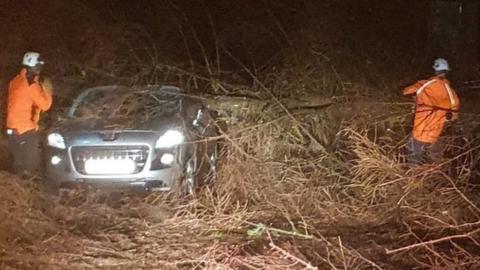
450 94
447 87
420 90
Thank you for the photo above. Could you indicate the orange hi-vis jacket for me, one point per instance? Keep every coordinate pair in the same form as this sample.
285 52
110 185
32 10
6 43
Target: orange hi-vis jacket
25 102
434 99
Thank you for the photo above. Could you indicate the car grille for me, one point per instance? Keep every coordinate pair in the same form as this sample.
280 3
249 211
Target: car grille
137 153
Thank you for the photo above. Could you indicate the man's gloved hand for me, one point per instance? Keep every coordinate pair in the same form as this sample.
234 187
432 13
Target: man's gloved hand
449 116
47 86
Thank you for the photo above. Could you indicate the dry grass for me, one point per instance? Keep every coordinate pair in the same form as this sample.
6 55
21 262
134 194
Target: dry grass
277 204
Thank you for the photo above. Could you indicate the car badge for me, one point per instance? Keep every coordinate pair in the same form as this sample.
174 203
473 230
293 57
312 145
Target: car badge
109 136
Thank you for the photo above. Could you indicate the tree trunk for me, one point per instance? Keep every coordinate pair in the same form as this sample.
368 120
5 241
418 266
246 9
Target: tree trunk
453 34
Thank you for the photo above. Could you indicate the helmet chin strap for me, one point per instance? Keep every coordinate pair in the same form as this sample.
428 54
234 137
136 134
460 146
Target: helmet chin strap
442 73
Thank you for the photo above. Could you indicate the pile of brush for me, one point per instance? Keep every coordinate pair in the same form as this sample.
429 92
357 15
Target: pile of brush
312 176
298 187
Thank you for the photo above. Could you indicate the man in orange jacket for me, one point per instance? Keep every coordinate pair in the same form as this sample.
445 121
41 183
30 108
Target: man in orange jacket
436 104
26 99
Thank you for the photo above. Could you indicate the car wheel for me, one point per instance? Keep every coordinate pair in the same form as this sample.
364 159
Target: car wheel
190 177
184 182
212 161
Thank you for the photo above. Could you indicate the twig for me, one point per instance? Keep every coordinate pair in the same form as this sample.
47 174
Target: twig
185 42
358 254
460 193
286 254
435 241
342 252
255 78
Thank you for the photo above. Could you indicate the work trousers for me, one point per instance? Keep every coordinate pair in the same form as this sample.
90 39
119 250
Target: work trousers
420 152
26 153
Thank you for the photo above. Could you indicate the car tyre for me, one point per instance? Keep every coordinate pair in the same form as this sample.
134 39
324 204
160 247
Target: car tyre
189 180
185 183
211 175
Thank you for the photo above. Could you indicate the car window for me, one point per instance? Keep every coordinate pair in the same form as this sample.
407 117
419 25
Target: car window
142 105
92 105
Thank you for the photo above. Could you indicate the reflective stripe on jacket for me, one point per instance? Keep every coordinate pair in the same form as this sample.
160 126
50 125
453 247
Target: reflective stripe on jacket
25 102
434 99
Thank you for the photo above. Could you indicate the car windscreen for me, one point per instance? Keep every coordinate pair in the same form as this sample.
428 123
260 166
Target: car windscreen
134 104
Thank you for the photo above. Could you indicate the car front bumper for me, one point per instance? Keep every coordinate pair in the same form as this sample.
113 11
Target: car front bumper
161 179
60 168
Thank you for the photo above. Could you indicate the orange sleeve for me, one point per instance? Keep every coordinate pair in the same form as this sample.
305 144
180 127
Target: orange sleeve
412 89
456 106
40 98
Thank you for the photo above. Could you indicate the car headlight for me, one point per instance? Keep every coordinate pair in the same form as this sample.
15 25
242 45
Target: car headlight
169 139
56 140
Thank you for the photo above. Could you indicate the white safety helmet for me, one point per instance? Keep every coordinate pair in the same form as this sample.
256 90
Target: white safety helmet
440 64
32 59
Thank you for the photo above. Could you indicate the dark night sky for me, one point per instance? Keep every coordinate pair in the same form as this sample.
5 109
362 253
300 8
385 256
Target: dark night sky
367 31
348 18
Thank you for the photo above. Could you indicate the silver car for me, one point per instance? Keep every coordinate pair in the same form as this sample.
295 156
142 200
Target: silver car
155 137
